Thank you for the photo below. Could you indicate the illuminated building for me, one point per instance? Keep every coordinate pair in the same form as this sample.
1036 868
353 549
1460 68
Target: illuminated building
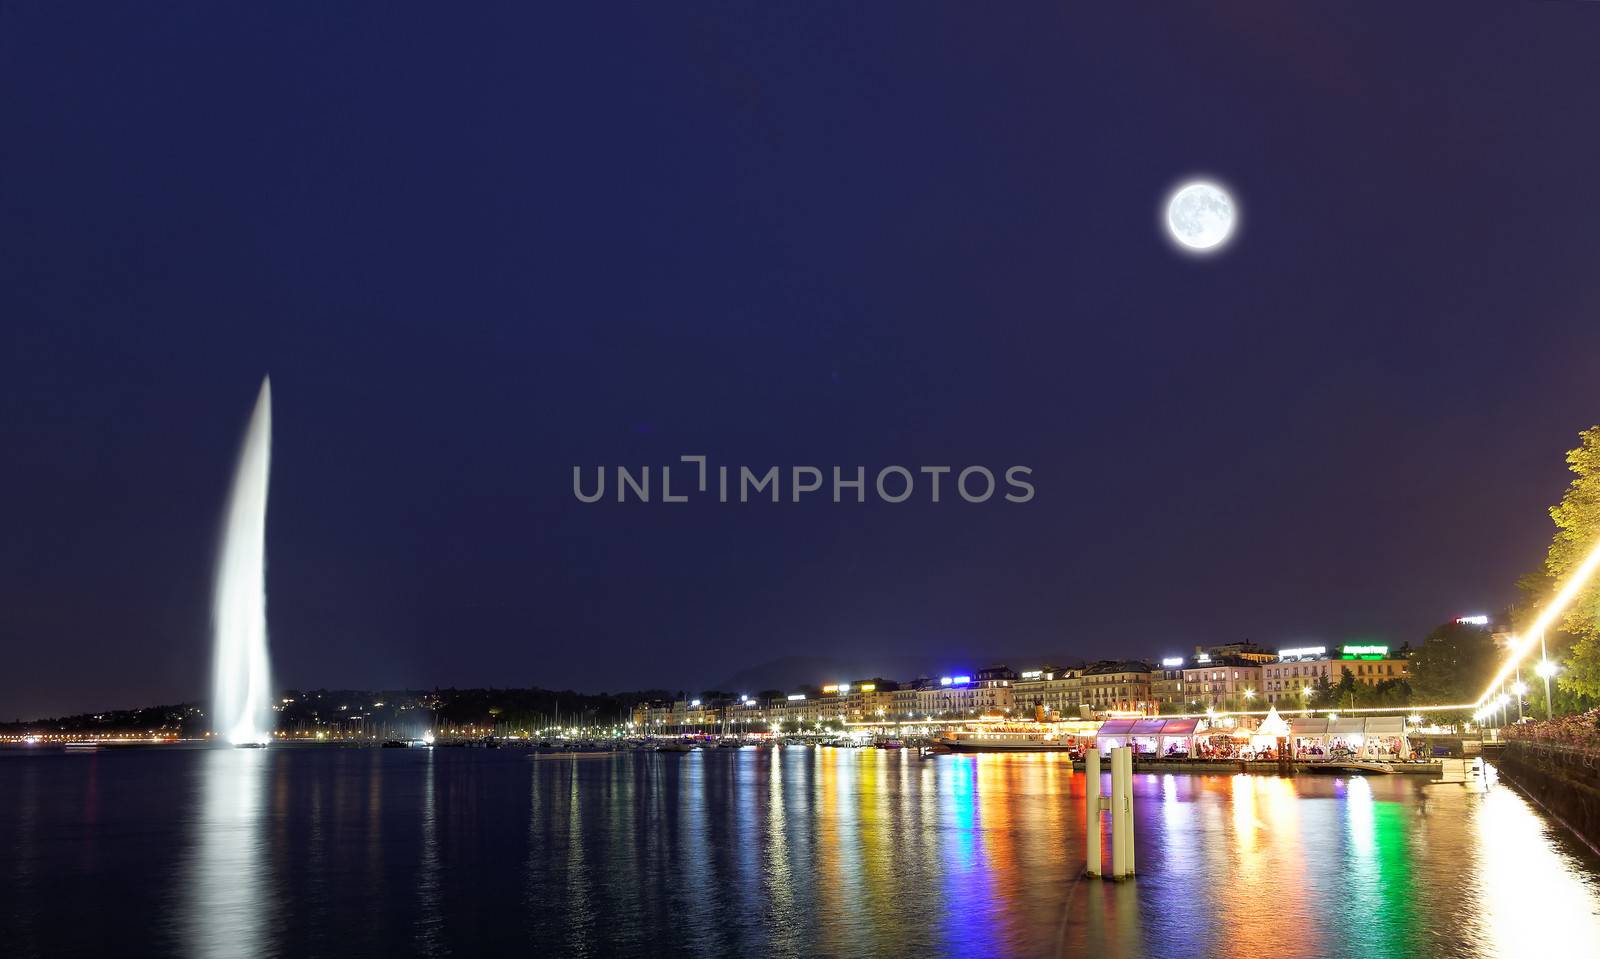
968 694
1302 668
1249 652
1119 686
1167 686
859 700
1224 682
1056 690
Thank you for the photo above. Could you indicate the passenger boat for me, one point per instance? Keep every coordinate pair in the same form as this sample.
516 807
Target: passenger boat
675 746
1006 738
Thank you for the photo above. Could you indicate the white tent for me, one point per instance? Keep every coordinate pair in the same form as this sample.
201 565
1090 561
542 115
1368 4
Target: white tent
1308 738
1273 725
1347 733
1272 728
1385 738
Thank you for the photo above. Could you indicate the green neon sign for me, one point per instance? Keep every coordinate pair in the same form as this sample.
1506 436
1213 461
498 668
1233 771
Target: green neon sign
1365 652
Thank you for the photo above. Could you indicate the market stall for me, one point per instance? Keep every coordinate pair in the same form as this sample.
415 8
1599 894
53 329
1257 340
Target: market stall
1112 733
1177 738
1308 738
1386 738
1145 737
1346 737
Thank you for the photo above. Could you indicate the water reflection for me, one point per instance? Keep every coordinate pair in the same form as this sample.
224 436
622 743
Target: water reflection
1524 895
428 927
783 852
228 906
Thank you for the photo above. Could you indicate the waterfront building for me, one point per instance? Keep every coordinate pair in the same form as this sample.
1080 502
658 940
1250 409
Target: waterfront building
989 691
1119 686
905 702
1223 682
807 707
1297 670
652 716
1247 651
1167 685
701 715
1055 690
862 700
1228 677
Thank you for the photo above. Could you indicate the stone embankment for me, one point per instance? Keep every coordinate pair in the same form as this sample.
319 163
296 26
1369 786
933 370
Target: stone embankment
1565 780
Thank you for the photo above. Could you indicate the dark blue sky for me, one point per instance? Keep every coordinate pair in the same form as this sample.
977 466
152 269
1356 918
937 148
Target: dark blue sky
477 245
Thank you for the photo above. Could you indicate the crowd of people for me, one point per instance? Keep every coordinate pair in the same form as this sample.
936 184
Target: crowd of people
1578 730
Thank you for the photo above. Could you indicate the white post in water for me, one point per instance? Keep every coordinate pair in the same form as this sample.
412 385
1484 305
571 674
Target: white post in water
1119 804
1122 804
1092 801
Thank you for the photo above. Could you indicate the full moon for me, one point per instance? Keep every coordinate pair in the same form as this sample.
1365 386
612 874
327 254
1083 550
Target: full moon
1201 216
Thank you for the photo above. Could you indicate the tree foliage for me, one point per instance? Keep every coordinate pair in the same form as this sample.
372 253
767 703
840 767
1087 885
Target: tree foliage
1577 519
1345 689
1324 694
1453 665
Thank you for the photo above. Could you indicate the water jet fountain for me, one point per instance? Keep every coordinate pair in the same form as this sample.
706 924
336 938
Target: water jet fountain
241 700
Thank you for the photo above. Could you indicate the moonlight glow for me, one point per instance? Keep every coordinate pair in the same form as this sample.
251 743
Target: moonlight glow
1201 217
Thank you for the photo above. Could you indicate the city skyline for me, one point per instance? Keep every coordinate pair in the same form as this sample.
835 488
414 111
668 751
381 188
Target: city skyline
1032 677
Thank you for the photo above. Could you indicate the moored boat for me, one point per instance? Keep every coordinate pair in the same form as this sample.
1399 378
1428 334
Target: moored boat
1005 737
1362 767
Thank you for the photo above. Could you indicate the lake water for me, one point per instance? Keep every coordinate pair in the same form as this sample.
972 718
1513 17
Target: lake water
322 851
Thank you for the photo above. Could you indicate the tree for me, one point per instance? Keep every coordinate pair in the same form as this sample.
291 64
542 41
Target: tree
1454 664
1322 694
1388 692
1577 519
1344 692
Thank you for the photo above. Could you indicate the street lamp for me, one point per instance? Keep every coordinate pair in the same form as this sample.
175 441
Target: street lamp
1545 669
1521 689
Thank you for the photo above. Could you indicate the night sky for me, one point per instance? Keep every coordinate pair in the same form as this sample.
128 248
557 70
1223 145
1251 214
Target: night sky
476 245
